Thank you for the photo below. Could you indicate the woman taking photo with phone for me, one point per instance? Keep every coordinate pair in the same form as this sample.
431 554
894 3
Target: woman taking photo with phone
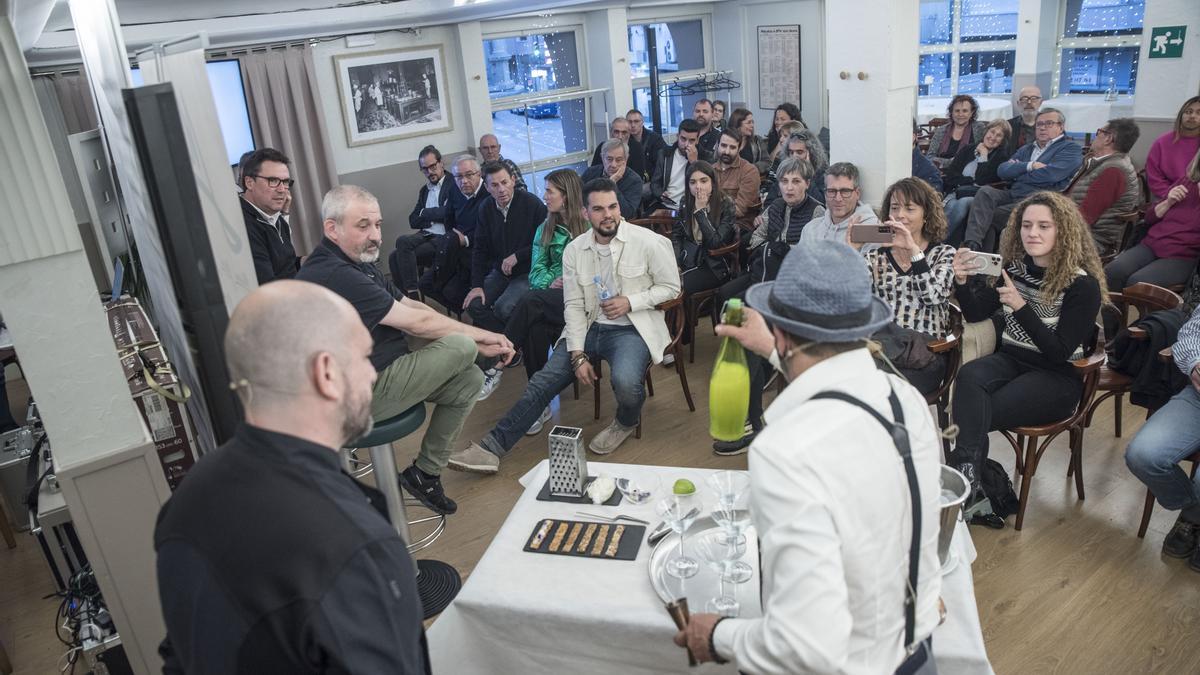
1049 293
914 274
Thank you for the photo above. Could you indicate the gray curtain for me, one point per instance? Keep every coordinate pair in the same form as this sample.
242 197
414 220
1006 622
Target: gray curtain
286 115
74 99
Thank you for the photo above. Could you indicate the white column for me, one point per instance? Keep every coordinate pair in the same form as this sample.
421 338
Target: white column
1037 39
608 63
871 71
479 103
107 466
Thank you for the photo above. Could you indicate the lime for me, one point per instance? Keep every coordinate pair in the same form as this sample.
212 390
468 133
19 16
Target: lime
684 486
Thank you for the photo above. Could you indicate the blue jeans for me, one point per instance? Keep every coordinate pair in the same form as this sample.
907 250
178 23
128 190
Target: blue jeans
627 357
957 209
1170 435
502 294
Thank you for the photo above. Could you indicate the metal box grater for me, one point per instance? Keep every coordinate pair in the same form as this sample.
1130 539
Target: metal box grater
15 449
568 462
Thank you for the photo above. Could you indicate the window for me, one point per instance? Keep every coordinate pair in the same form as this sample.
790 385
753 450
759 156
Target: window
538 178
679 44
554 129
530 64
682 54
233 116
967 47
1099 47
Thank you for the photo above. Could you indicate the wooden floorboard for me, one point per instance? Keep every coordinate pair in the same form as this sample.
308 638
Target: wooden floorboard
1074 592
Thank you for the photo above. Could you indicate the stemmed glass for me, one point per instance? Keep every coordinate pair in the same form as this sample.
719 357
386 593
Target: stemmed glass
677 511
720 552
731 511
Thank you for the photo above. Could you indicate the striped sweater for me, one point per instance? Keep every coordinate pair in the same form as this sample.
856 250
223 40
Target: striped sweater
1045 334
919 296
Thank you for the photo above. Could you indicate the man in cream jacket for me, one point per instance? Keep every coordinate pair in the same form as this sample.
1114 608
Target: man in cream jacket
614 277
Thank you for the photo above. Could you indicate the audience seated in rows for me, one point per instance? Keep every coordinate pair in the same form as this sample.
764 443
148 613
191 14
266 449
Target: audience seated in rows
651 141
1023 131
1045 164
442 372
448 278
1168 254
921 166
803 145
972 168
615 152
784 113
627 329
431 217
754 147
266 189
668 184
1106 188
914 275
843 207
537 319
964 130
1171 152
1047 309
1171 435
489 151
620 129
702 112
738 179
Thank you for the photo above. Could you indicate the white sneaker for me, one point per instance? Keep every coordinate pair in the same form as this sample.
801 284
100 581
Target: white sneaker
668 359
491 380
536 428
610 438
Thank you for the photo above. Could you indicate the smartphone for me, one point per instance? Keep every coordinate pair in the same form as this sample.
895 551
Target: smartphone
877 233
988 264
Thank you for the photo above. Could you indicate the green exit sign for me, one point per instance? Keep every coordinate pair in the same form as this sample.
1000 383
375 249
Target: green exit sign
1166 42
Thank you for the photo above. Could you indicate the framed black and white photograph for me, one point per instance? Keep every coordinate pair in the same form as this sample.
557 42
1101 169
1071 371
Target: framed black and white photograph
387 95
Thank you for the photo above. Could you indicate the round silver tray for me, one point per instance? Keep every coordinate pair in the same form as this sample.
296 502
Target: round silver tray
706 584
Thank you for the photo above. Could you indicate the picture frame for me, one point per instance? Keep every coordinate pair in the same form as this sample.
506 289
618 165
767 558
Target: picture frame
392 94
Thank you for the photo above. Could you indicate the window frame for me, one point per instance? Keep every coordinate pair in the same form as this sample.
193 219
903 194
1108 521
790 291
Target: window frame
680 75
957 47
1089 42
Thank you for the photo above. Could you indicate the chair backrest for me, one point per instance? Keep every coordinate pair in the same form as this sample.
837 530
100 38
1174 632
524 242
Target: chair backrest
952 347
659 224
1089 369
675 321
1145 298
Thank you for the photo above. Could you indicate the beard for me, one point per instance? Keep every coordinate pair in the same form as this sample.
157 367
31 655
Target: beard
607 229
1029 116
356 417
726 159
369 254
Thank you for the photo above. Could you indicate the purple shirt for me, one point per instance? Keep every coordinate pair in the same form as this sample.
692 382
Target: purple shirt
1177 233
1167 162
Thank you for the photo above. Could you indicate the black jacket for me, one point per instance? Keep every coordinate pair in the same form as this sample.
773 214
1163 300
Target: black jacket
985 173
712 236
498 237
637 157
708 140
652 147
465 212
272 560
1154 382
422 217
271 248
664 165
1016 139
629 189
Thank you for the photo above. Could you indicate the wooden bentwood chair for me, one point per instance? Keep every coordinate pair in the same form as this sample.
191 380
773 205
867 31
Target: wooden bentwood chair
951 346
1031 441
675 317
695 301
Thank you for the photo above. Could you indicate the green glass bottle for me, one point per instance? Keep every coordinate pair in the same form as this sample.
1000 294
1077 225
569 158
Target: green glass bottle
729 388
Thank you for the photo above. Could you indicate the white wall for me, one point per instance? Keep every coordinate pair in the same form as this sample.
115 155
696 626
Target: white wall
735 47
363 157
1163 84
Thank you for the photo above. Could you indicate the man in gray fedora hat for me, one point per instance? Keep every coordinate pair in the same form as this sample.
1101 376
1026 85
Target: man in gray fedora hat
834 504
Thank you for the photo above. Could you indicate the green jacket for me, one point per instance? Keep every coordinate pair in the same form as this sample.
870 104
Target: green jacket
546 264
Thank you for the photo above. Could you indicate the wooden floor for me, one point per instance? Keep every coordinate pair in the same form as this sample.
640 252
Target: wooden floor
1075 592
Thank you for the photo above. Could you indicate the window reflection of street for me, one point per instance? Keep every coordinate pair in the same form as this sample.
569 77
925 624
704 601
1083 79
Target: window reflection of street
546 136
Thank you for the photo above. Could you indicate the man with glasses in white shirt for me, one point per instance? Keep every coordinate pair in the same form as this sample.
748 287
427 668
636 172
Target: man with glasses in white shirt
266 192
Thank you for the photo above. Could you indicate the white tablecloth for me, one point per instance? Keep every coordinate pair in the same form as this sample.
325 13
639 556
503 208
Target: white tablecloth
929 107
1086 114
528 613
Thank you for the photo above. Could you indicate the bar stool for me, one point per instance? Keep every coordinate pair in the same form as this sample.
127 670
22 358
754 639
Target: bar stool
437 582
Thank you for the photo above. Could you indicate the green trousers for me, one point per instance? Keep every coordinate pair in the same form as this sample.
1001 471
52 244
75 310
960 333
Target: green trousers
442 373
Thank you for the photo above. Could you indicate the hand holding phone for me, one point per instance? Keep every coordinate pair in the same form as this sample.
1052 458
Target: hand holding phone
874 233
987 264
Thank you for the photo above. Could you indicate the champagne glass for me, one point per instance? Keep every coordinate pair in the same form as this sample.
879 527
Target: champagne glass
639 489
729 487
731 510
676 510
720 552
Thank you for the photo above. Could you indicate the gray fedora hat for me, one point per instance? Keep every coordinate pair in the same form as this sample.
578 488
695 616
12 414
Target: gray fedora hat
822 293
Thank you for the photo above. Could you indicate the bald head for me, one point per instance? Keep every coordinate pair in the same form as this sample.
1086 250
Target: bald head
277 331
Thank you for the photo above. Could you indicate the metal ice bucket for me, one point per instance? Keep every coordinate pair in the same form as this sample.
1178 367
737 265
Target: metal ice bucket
954 491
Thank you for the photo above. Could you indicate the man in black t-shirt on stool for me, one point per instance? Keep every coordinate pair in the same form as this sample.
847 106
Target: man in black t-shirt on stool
442 372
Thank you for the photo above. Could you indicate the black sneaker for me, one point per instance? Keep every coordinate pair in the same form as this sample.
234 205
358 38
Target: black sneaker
733 448
428 491
1180 542
516 360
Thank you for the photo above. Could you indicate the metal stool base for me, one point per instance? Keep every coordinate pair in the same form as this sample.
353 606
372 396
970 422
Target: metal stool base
437 584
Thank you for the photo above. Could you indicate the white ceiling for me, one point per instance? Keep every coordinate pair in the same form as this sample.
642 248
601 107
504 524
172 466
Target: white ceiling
137 12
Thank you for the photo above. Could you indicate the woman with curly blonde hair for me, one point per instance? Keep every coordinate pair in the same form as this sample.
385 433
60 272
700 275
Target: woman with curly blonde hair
1051 289
914 272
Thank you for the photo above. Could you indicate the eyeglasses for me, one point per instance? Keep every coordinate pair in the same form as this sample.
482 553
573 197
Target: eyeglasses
467 174
1103 130
427 169
840 193
274 183
1048 123
1029 99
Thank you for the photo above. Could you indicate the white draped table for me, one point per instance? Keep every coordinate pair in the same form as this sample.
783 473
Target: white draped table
1085 114
929 107
533 613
